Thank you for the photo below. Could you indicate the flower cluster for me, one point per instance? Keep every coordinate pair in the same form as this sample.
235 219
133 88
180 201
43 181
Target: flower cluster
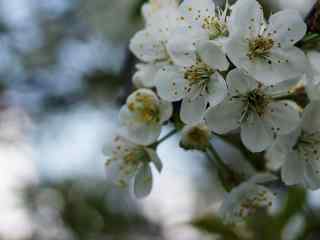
227 71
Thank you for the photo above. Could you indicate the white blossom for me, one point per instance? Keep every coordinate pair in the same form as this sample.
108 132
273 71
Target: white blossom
200 21
143 115
299 152
198 85
129 161
254 108
245 199
266 51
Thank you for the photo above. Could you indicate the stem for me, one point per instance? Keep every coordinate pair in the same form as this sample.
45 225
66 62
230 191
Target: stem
164 138
228 178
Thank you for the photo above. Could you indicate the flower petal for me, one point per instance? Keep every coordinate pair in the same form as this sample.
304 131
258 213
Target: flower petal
171 84
287 28
213 55
224 117
182 45
217 89
143 182
146 46
240 82
311 117
292 171
281 65
256 134
141 134
166 110
193 109
246 18
145 76
195 11
312 175
283 116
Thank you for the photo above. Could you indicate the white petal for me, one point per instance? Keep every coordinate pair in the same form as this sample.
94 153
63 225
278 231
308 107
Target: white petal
195 11
285 64
166 110
311 117
213 55
155 159
292 171
224 117
261 178
146 46
145 76
246 18
141 134
171 84
287 28
283 116
240 83
182 45
237 49
192 110
312 175
282 89
143 182
256 134
217 89
279 151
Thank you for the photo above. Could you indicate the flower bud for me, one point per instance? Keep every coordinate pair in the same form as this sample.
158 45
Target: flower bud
195 137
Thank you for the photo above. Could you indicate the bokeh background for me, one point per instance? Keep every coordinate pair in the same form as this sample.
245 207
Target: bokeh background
65 70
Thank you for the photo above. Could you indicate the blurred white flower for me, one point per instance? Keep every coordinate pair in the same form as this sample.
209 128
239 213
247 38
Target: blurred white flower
143 115
264 50
299 152
246 199
130 161
200 21
197 85
253 107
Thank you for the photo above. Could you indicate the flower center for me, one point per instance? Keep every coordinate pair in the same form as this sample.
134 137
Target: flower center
259 47
199 73
251 205
146 108
255 101
215 27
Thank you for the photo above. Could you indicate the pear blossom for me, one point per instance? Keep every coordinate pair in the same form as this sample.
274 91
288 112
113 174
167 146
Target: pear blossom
198 85
195 137
245 199
254 108
266 50
299 151
143 115
200 21
129 161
